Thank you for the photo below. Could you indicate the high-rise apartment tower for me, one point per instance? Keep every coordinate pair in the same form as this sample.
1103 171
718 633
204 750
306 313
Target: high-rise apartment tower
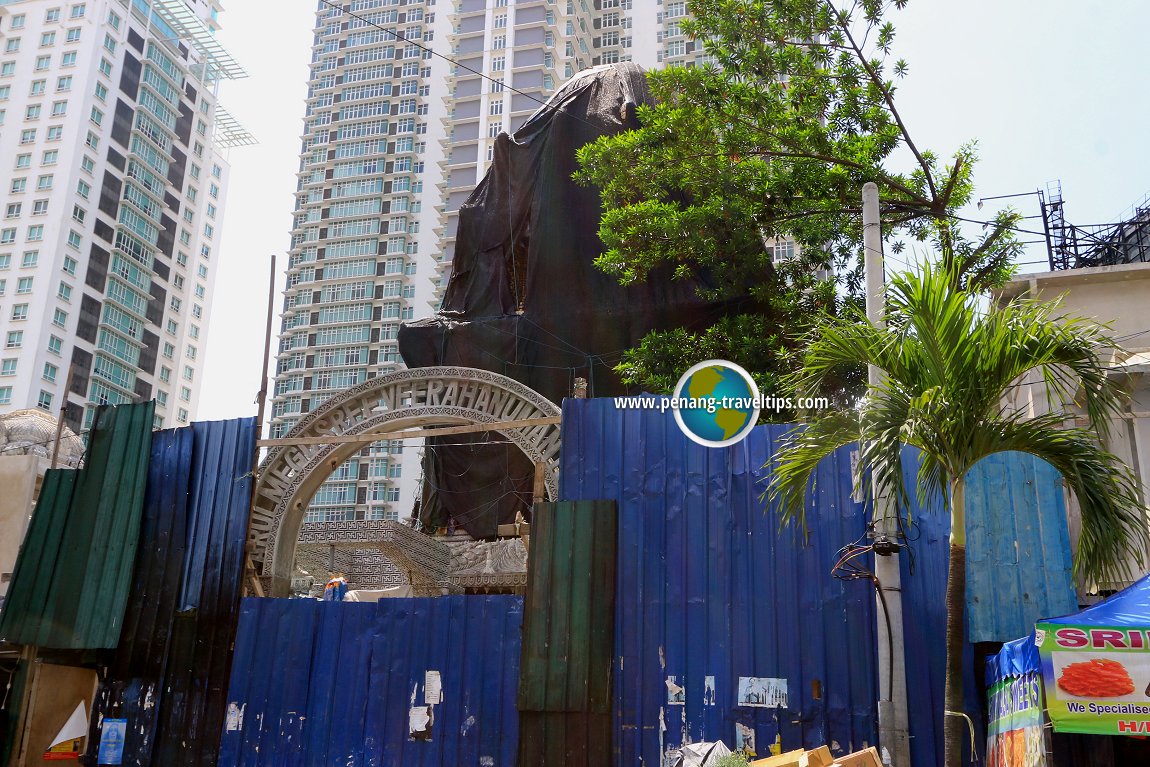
404 104
112 201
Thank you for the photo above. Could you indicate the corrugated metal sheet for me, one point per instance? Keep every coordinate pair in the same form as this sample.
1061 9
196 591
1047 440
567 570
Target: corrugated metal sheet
168 676
71 581
1018 560
568 636
1018 569
323 683
568 631
708 587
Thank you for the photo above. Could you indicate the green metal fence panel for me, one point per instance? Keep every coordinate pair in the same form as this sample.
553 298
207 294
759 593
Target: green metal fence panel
71 581
568 636
569 615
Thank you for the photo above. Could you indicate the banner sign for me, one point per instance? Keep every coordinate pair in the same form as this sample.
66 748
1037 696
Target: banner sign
1015 731
1097 679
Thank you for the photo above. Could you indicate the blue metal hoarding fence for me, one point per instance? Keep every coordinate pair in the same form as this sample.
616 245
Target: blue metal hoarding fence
321 683
1018 569
710 592
168 675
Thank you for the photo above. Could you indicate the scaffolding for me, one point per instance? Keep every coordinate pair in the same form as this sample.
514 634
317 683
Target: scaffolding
1070 246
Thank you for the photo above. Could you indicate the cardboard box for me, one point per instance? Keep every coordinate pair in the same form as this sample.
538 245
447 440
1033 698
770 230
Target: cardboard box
789 759
819 757
868 757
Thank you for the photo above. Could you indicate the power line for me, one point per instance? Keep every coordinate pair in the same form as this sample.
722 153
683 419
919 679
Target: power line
428 50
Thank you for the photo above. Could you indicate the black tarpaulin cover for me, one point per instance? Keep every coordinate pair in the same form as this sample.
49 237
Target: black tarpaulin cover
525 299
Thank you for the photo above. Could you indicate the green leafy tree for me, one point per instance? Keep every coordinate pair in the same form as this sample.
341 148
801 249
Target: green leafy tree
946 368
772 141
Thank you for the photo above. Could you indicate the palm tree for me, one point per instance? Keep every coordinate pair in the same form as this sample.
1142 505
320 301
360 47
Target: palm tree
946 365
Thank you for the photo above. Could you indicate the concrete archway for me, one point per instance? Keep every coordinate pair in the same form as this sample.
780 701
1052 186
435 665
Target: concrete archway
424 397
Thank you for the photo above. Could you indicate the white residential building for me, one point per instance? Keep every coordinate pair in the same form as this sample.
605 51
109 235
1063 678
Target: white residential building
112 201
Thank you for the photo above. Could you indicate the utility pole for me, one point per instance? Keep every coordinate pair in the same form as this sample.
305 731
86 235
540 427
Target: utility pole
893 734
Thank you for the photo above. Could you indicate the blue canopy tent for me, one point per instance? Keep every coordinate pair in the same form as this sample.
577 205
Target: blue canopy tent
1096 665
1088 673
1014 689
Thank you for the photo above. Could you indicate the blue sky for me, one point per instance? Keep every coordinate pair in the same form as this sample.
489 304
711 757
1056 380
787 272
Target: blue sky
1051 89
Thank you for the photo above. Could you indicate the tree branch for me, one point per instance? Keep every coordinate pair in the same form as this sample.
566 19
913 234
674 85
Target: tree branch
831 160
878 82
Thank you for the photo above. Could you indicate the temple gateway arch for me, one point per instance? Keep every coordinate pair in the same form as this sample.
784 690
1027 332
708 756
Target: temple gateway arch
421 402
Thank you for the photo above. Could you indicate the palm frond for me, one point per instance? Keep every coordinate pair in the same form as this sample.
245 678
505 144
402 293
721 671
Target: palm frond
796 461
1114 530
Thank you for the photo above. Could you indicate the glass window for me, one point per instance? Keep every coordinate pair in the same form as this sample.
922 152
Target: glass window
19 312
55 344
14 339
44 401
35 233
5 395
70 265
9 366
24 285
68 59
43 62
50 372
60 318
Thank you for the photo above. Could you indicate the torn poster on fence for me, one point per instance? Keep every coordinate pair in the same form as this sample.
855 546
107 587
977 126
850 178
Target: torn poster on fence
762 691
676 695
745 739
708 691
432 688
419 720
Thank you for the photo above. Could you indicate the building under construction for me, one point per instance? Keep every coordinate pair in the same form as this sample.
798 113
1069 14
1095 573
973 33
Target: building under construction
1070 246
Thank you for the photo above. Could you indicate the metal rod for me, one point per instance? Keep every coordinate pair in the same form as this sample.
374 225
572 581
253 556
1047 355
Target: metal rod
365 439
63 412
261 398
